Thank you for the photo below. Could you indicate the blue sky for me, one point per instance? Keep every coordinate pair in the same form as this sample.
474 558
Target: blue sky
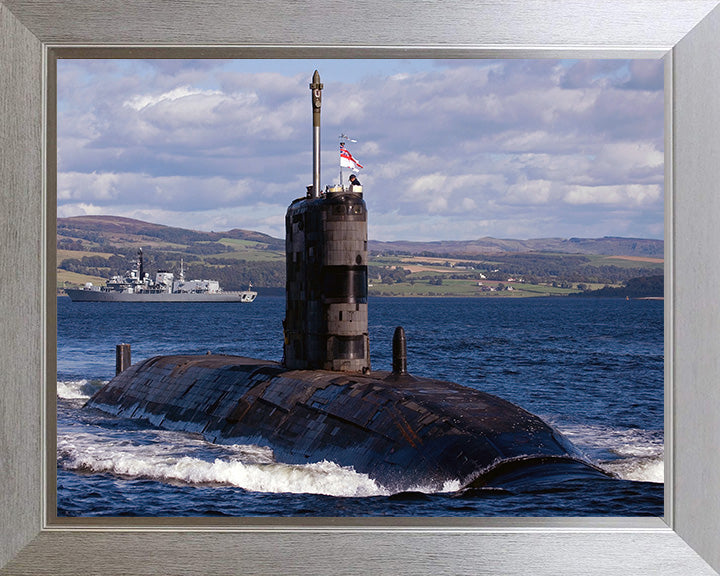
451 149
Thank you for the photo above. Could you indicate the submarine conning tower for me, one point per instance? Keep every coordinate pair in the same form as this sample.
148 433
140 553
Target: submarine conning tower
326 317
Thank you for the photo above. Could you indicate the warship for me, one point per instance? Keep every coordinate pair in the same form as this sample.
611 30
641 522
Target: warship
137 286
323 401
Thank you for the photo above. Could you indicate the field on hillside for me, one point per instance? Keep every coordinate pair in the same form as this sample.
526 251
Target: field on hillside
90 249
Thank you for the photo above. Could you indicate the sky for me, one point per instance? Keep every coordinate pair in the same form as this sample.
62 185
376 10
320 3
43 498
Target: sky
451 149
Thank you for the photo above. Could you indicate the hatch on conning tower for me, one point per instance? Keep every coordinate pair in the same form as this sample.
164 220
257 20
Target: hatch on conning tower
326 318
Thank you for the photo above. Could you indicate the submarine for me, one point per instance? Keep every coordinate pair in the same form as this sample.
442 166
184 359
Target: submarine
322 401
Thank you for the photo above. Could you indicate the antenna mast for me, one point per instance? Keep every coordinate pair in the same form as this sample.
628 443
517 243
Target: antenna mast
342 145
316 91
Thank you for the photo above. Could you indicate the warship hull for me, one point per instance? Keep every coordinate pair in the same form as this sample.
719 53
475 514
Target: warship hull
80 295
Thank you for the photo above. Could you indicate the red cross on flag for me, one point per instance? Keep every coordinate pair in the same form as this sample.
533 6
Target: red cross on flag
347 160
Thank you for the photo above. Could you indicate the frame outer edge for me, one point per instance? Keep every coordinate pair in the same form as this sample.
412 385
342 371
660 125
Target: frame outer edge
498 23
395 553
21 254
696 120
21 328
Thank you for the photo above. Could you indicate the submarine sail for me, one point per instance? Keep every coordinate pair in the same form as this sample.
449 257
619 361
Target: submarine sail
323 401
326 314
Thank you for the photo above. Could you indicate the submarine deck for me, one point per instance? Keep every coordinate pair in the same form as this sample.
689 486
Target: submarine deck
402 431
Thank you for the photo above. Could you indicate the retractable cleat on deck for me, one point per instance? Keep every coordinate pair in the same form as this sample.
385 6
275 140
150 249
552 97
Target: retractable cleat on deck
322 402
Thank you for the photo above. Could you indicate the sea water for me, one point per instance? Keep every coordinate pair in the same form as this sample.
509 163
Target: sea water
593 368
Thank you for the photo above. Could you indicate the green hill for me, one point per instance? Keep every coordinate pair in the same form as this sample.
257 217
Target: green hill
92 248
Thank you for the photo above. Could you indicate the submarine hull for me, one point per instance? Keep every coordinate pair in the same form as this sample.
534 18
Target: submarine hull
403 432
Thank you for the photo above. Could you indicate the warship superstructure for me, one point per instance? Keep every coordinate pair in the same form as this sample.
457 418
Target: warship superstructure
323 401
137 286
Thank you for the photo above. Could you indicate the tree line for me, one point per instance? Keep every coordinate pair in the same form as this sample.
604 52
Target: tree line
642 287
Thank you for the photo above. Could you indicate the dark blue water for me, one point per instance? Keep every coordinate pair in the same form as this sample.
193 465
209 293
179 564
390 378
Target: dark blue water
591 367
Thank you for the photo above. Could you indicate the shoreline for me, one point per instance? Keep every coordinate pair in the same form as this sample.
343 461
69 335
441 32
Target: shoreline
61 294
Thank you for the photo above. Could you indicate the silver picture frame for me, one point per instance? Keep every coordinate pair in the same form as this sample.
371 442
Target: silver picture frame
34 34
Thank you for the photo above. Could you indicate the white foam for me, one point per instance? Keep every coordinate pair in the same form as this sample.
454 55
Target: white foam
451 486
638 469
83 453
640 453
78 389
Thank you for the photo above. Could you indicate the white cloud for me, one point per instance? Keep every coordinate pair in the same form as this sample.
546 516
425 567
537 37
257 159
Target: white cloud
468 204
142 101
182 193
628 195
80 209
424 187
529 192
456 148
76 185
643 194
626 156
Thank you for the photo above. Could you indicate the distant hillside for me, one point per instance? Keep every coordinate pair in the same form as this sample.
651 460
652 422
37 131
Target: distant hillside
607 246
93 248
116 229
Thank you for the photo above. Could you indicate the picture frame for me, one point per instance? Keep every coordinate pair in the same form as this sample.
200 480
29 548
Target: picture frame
32 36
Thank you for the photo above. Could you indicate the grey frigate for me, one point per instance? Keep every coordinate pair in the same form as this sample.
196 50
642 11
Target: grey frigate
136 285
